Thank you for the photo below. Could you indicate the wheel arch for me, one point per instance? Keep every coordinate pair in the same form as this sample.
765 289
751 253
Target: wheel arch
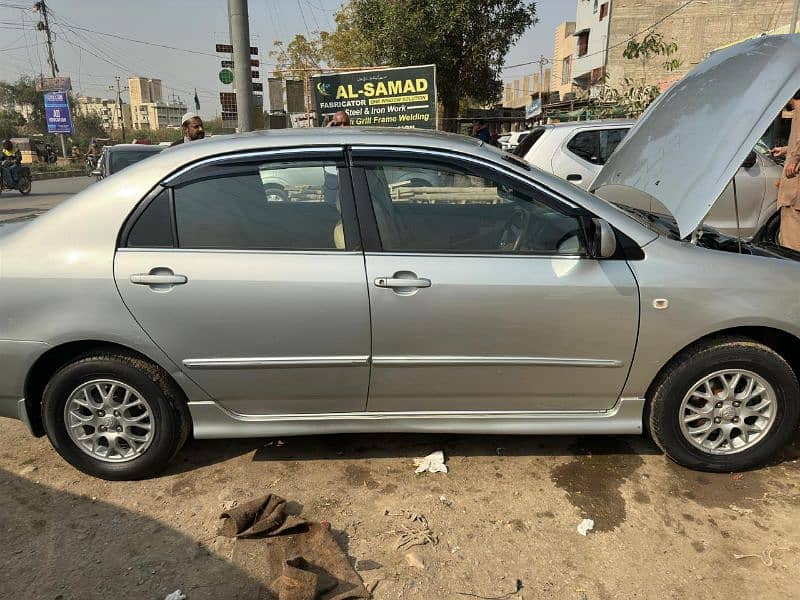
782 342
54 358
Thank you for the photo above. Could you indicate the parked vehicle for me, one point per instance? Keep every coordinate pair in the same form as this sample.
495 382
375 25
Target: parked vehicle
115 158
23 185
505 300
514 139
577 151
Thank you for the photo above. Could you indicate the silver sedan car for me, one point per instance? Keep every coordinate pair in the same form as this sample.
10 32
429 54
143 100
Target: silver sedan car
178 298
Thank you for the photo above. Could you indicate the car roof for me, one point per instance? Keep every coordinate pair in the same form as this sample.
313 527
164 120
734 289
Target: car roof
592 123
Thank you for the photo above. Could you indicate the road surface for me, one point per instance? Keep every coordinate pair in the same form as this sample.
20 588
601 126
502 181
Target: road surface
44 196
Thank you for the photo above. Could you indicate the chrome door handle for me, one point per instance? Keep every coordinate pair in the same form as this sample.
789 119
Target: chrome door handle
145 279
396 282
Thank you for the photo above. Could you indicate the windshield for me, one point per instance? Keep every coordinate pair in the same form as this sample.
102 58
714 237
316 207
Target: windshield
527 142
122 159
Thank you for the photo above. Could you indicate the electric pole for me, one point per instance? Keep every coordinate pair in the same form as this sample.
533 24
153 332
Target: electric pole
42 6
542 62
243 84
795 10
119 107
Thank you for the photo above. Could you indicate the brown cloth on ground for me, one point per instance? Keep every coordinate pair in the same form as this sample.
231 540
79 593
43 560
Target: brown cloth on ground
265 516
301 559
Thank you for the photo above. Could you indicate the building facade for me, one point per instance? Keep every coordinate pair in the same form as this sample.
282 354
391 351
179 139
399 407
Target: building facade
106 109
149 110
563 56
518 92
604 27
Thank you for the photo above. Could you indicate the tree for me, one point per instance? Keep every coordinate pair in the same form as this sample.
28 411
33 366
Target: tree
652 45
467 40
23 93
347 46
300 55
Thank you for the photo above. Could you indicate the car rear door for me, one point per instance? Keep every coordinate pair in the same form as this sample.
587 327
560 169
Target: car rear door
583 153
260 297
471 314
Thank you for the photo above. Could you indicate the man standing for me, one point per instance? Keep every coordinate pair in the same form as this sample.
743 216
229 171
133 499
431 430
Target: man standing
193 130
789 186
482 132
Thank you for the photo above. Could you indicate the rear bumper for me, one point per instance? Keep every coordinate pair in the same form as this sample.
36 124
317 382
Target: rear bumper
16 359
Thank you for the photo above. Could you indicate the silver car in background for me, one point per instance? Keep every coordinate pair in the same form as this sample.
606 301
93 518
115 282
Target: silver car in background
577 151
179 298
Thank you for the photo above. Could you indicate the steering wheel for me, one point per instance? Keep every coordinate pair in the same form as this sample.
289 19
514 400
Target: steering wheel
515 230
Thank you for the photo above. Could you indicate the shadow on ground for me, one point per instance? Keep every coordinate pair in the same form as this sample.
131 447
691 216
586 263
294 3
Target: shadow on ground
63 546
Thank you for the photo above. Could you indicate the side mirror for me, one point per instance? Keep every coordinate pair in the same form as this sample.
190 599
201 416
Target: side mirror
750 160
604 242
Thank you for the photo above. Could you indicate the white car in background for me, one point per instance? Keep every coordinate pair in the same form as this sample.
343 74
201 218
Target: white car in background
511 140
576 151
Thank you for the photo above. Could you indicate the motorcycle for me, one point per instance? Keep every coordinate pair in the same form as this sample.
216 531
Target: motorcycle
23 185
91 164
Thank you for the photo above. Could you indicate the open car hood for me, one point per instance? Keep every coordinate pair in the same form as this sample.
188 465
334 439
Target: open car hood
690 142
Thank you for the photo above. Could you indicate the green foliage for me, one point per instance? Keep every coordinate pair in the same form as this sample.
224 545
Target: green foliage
467 40
634 96
297 57
347 46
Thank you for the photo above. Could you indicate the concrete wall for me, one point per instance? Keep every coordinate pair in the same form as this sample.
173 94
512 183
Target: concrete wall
563 48
697 29
587 16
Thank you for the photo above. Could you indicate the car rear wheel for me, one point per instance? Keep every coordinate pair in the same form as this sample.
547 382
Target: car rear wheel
114 416
727 405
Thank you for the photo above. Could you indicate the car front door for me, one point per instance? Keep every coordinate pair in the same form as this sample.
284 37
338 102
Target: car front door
482 294
259 297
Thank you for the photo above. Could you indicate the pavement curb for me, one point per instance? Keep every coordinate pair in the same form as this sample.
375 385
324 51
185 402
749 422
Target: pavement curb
57 175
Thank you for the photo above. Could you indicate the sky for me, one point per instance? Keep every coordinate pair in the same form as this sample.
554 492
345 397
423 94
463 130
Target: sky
87 50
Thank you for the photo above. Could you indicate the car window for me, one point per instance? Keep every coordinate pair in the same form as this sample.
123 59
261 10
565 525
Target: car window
272 206
585 145
463 212
609 140
153 228
122 159
528 141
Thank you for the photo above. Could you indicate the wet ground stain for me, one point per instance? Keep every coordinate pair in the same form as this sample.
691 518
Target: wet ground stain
357 476
593 478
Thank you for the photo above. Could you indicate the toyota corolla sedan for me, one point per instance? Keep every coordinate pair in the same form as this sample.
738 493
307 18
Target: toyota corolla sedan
179 298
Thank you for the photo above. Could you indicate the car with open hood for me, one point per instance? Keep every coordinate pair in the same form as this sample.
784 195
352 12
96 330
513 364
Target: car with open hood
179 298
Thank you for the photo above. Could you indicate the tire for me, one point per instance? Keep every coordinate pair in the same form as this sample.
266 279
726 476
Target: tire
167 415
24 185
666 409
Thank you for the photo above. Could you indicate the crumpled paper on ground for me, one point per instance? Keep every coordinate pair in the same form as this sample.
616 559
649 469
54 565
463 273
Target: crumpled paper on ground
585 526
433 463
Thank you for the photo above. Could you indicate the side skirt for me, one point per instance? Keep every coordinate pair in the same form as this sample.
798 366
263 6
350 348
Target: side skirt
210 420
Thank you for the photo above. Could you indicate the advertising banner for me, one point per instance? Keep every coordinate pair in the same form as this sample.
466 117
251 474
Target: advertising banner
399 97
56 112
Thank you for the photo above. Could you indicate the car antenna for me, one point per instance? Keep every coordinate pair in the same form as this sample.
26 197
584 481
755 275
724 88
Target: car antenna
736 210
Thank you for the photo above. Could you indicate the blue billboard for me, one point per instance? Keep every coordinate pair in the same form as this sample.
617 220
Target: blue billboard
56 112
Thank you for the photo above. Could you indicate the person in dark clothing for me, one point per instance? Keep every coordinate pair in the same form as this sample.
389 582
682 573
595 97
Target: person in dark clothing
482 132
193 130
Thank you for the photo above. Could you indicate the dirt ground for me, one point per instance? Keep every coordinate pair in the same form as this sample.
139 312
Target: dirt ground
507 510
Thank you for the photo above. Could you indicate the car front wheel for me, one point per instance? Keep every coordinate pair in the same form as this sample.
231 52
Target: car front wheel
114 416
727 405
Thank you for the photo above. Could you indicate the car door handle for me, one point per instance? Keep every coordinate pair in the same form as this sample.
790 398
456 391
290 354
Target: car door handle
397 282
150 279
574 177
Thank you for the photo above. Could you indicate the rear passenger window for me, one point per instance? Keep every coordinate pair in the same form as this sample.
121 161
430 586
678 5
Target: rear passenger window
585 146
153 228
272 206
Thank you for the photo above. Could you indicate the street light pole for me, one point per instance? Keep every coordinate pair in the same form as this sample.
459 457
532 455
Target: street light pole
120 112
243 84
795 10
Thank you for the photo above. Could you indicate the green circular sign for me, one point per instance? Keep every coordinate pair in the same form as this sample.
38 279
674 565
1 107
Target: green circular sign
226 76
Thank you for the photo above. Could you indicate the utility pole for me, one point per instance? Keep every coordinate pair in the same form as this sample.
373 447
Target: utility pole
542 62
42 6
243 84
795 10
119 107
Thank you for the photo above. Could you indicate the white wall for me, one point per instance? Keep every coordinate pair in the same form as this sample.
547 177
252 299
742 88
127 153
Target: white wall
586 17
